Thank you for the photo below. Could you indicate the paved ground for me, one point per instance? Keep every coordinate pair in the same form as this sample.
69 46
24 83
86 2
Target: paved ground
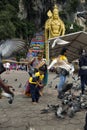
23 115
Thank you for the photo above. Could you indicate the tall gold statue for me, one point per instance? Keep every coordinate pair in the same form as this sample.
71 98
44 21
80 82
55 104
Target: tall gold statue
54 27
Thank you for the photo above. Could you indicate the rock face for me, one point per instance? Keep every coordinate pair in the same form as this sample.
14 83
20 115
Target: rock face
22 10
36 10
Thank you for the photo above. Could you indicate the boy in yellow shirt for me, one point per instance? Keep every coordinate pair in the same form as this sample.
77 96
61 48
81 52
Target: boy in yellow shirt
34 82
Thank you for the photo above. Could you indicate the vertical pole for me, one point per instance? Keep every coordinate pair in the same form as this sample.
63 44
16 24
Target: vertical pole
47 51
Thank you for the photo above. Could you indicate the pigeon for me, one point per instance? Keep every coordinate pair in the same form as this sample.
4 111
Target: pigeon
7 49
5 81
15 80
50 108
59 112
10 46
50 85
67 87
44 111
20 85
9 96
59 42
56 87
71 112
53 107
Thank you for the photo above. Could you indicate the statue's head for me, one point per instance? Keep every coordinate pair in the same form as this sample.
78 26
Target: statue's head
55 11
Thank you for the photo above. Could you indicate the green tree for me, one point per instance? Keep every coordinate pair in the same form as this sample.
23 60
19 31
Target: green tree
7 28
72 5
76 28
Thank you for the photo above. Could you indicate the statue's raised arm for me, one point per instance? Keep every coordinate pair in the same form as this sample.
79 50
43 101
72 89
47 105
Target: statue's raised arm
47 25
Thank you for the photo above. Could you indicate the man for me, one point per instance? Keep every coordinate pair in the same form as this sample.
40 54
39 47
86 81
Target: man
83 69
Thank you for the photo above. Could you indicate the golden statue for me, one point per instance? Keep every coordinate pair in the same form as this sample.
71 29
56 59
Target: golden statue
54 26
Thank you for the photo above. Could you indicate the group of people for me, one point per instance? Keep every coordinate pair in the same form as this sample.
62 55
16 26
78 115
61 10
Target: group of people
38 74
66 68
37 77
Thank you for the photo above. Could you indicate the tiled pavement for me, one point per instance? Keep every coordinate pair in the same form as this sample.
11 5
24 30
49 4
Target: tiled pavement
23 115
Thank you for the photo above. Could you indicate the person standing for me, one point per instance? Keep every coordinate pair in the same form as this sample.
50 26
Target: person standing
83 69
7 67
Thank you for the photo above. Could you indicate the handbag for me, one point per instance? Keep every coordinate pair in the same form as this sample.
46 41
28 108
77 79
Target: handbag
64 72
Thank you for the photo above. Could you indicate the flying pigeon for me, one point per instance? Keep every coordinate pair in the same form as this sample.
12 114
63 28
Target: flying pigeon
59 42
10 46
20 85
7 48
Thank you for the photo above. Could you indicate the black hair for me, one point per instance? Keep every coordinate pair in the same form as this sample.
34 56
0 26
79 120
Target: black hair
82 51
63 51
43 68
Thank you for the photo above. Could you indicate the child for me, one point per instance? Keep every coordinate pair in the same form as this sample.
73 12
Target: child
35 82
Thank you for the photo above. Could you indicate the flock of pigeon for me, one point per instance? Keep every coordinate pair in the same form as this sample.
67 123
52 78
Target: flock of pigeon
72 101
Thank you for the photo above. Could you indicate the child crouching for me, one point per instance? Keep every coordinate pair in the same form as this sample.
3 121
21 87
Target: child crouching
35 82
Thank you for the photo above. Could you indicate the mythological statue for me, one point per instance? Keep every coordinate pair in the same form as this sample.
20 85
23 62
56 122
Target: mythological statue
54 26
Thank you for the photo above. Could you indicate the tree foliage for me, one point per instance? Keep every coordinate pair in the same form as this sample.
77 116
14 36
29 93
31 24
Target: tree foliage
72 5
10 25
75 28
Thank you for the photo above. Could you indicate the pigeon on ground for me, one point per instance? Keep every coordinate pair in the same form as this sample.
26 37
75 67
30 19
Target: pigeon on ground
50 108
50 85
71 112
15 80
20 85
59 112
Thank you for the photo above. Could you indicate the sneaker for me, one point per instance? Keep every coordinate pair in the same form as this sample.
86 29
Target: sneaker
60 96
56 87
34 103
